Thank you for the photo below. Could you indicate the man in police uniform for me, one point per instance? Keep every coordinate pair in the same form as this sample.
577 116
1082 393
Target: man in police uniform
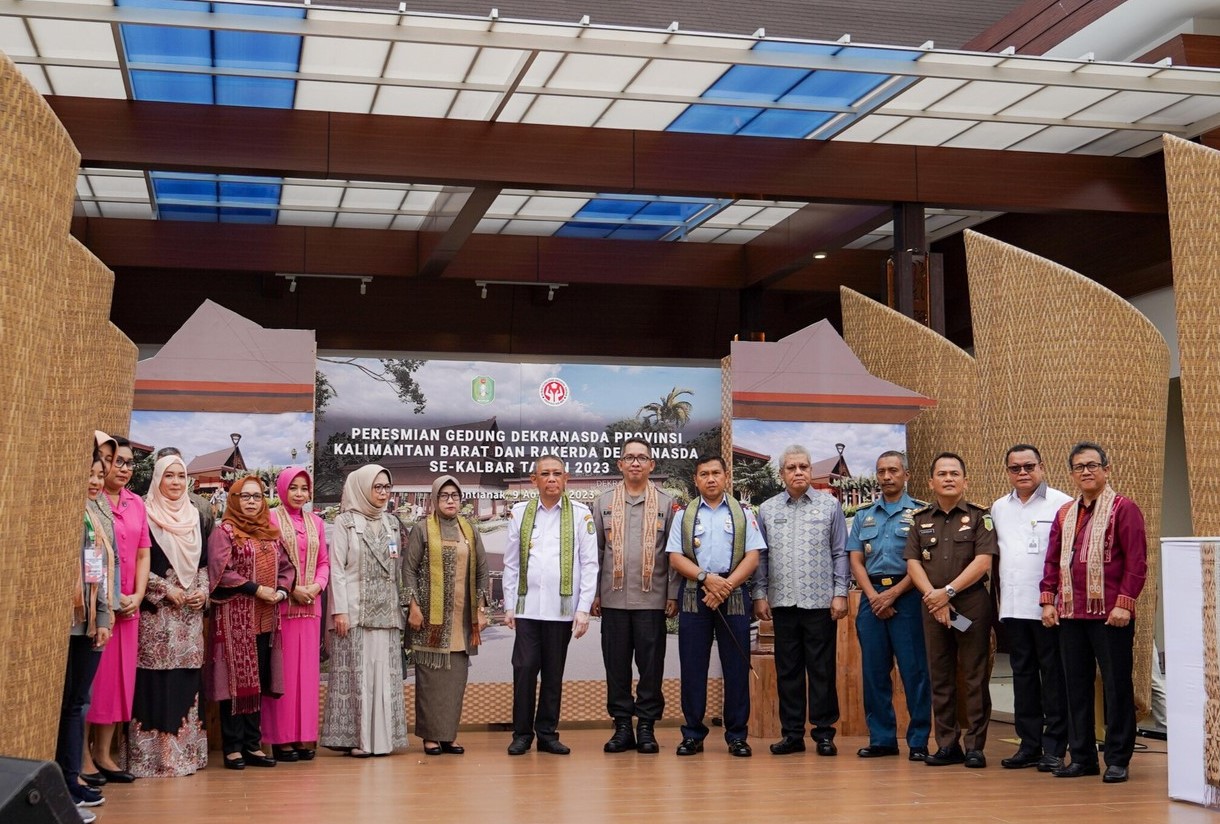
949 553
636 593
714 547
889 623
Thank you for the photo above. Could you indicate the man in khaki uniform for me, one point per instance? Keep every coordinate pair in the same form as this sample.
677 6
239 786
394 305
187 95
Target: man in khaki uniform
949 555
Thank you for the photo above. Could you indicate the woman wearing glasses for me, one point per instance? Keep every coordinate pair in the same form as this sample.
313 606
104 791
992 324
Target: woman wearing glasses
250 575
365 713
115 682
166 736
445 573
290 722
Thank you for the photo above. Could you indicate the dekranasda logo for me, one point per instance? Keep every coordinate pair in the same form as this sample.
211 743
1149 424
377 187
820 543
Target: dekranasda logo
553 391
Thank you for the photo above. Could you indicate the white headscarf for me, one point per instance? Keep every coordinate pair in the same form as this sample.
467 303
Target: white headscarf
175 524
358 491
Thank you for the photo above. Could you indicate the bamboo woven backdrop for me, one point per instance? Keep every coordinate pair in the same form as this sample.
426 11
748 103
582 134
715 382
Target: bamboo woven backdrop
1192 180
1030 369
904 352
57 348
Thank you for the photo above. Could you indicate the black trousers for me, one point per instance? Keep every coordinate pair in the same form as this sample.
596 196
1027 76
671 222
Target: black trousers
1039 694
805 652
78 679
638 633
540 648
1086 645
243 733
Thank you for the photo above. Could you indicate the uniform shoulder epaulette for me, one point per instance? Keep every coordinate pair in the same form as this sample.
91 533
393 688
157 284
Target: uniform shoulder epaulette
922 507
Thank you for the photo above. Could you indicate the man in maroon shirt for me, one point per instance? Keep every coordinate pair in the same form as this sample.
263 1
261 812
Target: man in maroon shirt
1095 568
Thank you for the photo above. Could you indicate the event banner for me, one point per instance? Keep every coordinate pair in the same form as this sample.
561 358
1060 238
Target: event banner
486 422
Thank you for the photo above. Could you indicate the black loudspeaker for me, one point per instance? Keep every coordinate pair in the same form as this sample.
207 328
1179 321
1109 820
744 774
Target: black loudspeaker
34 792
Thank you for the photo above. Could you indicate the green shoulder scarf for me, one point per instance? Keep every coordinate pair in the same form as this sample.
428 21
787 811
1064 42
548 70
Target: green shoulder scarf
567 548
690 592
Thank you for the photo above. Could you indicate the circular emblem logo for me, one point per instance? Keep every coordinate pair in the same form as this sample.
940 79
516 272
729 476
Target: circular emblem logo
553 391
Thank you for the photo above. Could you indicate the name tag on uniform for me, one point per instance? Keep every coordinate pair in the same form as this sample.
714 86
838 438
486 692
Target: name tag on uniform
95 570
728 525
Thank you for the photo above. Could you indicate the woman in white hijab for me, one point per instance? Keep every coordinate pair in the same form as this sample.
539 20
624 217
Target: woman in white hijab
365 712
166 736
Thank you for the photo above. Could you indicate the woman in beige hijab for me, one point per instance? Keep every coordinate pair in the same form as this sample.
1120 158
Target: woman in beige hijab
365 713
445 572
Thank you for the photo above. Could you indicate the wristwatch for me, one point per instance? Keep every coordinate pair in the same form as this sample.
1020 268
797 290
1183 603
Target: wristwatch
950 591
701 577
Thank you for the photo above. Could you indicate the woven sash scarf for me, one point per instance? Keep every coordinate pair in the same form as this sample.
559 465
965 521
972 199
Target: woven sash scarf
618 536
690 592
567 544
304 578
1096 552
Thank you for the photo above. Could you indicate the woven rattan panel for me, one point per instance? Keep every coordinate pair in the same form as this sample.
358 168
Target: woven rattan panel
904 352
56 348
1192 178
1063 359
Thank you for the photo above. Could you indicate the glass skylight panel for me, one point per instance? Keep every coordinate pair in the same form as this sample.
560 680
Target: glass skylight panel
420 199
1117 142
260 92
542 206
676 77
78 82
36 76
508 204
542 228
296 217
738 236
73 39
1190 110
735 215
334 97
82 186
494 66
516 106
923 94
428 61
362 220
473 105
410 223
343 56
413 102
755 83
785 123
381 199
565 111
1059 139
104 186
134 211
869 128
596 72
638 114
324 195
705 119
541 69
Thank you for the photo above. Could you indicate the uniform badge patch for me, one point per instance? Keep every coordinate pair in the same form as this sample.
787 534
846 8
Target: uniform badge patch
927 556
987 524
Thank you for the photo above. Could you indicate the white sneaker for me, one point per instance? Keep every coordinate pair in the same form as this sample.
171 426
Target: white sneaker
87 816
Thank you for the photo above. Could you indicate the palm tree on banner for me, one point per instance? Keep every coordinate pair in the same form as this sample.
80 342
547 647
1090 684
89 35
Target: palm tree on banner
669 411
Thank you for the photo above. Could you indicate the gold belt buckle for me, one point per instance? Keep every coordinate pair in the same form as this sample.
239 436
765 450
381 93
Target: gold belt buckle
885 582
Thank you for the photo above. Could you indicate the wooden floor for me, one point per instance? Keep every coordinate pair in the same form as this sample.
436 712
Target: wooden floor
485 784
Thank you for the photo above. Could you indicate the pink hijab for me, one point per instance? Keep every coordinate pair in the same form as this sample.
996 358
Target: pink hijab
284 481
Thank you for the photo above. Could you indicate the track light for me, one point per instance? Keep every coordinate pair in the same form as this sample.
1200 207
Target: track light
364 285
484 295
292 284
550 293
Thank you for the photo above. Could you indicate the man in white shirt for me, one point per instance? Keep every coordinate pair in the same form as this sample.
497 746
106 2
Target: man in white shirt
1023 520
550 578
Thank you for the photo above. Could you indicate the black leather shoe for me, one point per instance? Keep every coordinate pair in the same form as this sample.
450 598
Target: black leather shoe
1076 770
256 760
1115 774
93 779
449 748
945 756
787 746
305 755
282 754
623 739
435 749
918 754
645 738
877 751
975 760
827 748
116 776
235 763
690 746
741 749
1049 763
554 747
1021 759
521 745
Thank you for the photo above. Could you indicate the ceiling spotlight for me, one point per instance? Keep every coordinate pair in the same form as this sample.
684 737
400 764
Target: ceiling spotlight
292 284
550 293
364 285
819 256
484 294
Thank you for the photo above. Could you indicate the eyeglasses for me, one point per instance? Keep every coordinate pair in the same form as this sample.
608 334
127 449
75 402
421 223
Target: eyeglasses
636 459
1091 466
250 496
123 463
382 487
449 496
1017 469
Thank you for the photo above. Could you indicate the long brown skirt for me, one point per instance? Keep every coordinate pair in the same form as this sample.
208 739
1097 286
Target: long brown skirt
438 698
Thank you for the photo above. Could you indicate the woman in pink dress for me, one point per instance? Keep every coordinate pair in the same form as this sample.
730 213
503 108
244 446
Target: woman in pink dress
115 682
290 722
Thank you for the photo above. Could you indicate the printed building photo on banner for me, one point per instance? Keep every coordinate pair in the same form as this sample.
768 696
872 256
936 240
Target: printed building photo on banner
485 423
232 397
809 389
